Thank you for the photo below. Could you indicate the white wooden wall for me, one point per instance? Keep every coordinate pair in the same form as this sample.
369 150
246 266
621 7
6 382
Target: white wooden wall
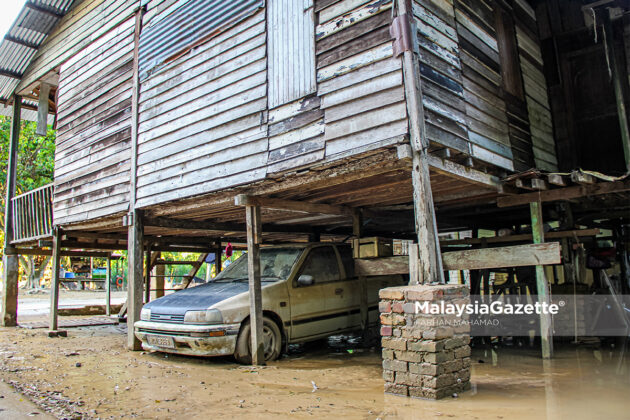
92 158
202 117
291 46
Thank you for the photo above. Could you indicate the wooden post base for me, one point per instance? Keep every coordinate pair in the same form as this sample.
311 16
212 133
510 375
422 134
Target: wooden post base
57 333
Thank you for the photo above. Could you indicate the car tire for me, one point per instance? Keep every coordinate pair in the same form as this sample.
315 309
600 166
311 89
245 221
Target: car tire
272 338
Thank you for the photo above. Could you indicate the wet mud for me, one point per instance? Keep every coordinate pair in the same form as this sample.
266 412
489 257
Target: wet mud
90 374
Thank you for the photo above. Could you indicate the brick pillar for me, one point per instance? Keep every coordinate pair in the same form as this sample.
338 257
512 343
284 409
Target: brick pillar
424 355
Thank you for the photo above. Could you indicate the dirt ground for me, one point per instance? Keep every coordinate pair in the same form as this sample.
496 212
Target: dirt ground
90 374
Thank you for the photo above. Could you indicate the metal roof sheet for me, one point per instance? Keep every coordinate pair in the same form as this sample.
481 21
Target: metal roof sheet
34 23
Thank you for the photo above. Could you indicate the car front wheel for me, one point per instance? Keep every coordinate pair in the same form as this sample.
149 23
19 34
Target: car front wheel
272 340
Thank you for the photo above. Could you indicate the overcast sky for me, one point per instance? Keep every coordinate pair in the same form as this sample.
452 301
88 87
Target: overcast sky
10 10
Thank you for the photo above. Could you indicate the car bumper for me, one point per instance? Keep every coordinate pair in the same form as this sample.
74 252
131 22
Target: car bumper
195 340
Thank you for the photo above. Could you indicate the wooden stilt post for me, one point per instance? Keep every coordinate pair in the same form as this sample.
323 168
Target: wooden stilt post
357 228
134 222
217 260
147 277
108 286
54 282
158 281
542 286
10 259
135 278
254 239
426 227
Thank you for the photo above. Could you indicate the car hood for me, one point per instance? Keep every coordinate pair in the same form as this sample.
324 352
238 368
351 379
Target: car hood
196 298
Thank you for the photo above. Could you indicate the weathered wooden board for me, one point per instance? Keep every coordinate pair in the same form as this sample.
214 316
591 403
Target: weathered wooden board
93 139
88 21
473 259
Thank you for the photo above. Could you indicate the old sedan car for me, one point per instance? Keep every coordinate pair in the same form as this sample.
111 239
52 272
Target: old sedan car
308 292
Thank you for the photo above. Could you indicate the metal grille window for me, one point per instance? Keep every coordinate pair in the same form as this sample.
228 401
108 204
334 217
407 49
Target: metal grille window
291 43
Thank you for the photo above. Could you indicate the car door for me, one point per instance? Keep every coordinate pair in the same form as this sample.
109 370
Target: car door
343 296
309 315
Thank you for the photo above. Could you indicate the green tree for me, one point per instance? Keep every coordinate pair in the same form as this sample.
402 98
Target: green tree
36 160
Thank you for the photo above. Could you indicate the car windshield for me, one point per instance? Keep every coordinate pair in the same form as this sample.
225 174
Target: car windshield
275 265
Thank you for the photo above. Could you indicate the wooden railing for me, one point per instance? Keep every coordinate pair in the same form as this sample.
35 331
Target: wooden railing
32 214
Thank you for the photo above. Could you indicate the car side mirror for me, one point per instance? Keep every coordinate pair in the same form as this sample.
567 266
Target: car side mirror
305 280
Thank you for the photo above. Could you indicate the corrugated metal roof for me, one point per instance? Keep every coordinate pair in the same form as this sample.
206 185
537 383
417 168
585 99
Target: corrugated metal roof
193 21
35 22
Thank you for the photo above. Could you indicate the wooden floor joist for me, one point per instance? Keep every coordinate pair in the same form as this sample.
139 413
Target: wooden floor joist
471 259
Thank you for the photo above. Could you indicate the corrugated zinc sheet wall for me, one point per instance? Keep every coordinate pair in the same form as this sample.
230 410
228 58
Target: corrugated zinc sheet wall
202 117
92 159
291 46
188 22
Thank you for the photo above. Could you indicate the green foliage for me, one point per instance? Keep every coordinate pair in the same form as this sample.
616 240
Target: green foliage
36 159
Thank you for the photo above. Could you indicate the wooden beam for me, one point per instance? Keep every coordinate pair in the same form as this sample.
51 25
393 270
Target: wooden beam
426 226
42 109
542 286
64 253
254 239
10 261
135 277
527 237
472 259
581 178
568 193
291 205
556 179
54 283
166 222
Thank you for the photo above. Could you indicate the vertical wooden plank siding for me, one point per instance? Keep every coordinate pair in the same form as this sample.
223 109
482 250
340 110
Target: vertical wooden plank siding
291 50
92 157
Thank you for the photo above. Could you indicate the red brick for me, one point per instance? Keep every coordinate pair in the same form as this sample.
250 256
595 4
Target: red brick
393 293
386 331
397 307
384 307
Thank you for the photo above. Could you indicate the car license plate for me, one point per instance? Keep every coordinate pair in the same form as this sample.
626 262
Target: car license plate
161 341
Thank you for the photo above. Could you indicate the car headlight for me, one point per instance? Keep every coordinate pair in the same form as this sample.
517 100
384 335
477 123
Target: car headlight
211 316
145 314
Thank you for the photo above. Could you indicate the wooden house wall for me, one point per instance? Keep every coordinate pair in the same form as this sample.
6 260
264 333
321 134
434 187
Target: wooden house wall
86 22
466 104
535 86
359 81
202 117
92 158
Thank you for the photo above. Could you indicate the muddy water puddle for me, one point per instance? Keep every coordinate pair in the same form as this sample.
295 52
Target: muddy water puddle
91 375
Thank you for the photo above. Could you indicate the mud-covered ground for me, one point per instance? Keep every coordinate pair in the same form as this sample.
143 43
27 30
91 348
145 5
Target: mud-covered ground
90 374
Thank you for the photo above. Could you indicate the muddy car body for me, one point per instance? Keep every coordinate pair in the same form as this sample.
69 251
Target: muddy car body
308 292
